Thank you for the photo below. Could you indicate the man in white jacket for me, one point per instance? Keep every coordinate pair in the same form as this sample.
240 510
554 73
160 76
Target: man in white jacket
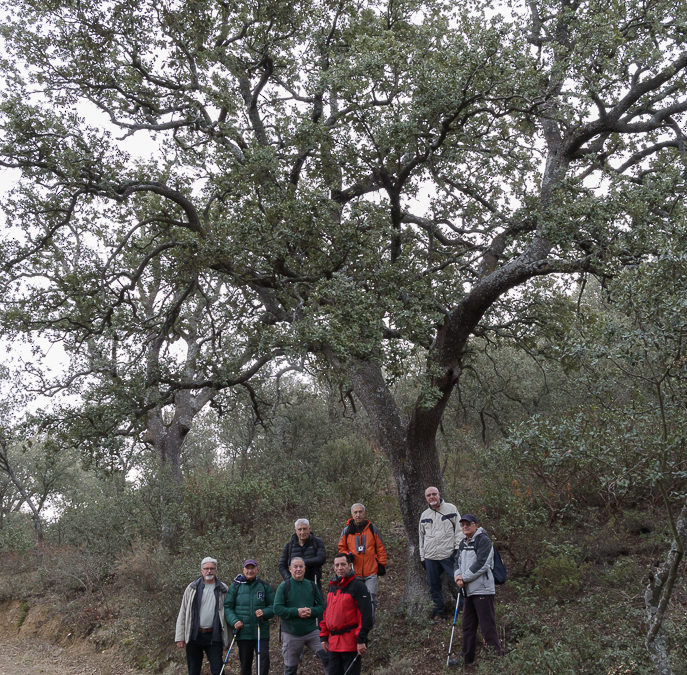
439 537
201 626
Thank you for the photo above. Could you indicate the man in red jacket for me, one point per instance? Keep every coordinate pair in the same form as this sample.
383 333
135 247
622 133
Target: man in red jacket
364 541
347 619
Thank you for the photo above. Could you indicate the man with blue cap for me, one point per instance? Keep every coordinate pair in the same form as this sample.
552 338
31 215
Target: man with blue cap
475 578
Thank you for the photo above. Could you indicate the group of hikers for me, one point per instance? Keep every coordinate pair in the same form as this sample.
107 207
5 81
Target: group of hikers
336 630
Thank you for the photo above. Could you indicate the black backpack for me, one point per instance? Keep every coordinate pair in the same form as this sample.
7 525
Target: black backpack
499 571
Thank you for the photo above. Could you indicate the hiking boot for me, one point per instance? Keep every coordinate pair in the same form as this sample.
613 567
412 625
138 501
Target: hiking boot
458 662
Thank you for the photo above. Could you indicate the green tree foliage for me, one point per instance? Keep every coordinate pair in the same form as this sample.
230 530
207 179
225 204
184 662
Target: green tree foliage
622 438
34 474
361 182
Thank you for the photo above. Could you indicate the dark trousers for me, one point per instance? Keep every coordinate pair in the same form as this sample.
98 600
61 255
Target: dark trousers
195 649
340 661
479 609
247 649
434 569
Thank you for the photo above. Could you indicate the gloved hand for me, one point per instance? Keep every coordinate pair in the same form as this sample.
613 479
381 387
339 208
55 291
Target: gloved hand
381 569
422 562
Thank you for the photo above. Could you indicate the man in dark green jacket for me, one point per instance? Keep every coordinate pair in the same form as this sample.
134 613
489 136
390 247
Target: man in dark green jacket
249 604
299 603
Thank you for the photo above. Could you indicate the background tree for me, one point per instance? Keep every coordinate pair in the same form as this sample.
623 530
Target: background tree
618 438
146 351
36 471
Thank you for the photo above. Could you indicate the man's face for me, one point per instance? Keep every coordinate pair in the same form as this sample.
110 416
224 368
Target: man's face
358 513
341 566
297 569
209 572
250 572
433 497
468 528
303 531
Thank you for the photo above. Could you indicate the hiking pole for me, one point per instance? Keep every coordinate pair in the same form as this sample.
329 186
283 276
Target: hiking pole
453 628
317 621
350 665
259 645
228 652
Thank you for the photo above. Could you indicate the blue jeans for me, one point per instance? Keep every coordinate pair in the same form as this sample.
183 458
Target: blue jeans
434 569
195 649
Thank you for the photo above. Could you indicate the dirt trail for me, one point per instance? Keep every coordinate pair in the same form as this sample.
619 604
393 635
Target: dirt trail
29 655
28 650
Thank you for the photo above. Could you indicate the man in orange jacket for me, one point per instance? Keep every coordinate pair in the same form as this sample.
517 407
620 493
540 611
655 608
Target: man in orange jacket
363 541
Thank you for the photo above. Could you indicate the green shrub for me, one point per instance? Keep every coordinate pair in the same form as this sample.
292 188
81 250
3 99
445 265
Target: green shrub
352 467
540 654
23 613
560 573
625 572
108 521
219 501
17 534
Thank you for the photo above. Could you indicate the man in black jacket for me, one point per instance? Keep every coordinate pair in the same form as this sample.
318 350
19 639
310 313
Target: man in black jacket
303 544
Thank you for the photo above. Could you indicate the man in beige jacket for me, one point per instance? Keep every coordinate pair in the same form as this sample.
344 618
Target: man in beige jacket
201 627
439 537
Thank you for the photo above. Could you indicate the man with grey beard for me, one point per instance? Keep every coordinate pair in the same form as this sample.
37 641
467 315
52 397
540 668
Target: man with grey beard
201 626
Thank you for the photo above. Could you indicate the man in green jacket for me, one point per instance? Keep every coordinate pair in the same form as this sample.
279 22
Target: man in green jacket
299 603
248 604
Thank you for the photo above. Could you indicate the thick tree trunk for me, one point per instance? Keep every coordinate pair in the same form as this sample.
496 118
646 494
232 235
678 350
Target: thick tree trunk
167 441
414 460
657 597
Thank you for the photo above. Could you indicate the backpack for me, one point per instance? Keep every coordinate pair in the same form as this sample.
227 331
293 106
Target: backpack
499 570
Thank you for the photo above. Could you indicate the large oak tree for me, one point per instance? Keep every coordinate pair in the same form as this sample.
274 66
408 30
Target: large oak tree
368 179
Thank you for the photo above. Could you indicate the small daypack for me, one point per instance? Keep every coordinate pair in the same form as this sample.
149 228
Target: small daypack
499 570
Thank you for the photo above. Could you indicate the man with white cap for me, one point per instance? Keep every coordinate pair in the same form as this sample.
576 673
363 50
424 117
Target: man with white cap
201 627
